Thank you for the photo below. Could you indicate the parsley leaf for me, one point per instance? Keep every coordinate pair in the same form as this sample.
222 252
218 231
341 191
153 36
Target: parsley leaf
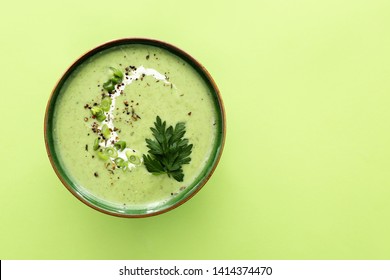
168 151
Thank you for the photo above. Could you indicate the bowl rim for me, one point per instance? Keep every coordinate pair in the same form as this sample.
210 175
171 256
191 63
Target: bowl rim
152 42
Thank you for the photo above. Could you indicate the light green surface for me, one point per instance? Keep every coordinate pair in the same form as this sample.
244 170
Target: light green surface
305 171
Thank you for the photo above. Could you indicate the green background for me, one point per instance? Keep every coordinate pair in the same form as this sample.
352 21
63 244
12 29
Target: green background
305 170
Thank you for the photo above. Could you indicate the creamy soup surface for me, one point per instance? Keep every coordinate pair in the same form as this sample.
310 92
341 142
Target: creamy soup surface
150 82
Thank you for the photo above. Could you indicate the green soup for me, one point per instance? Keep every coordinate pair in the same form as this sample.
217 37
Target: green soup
113 97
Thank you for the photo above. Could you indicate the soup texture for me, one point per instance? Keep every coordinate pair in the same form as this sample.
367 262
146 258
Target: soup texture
135 126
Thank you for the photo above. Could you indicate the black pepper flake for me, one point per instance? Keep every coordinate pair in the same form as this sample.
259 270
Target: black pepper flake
86 147
147 57
189 113
96 174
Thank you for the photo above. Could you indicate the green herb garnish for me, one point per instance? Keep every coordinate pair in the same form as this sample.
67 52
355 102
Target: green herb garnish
133 157
120 162
98 113
96 144
106 131
102 155
105 104
117 77
169 151
110 152
120 145
109 86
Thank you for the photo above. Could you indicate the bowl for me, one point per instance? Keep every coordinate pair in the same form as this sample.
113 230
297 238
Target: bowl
135 127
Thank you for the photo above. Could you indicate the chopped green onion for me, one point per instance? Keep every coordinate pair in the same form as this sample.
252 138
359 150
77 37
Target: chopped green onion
96 110
111 152
117 73
102 155
120 162
106 131
96 144
120 145
98 113
105 104
116 80
133 157
109 86
101 117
